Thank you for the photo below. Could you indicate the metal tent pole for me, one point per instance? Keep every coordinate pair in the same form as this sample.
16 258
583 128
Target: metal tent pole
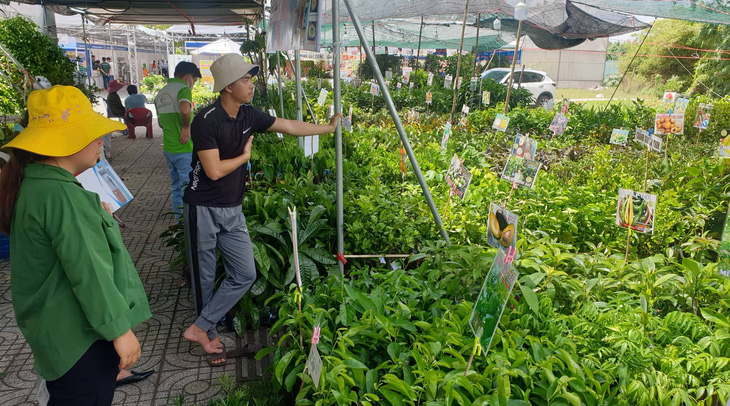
458 63
396 119
338 133
114 55
476 47
278 81
87 56
298 81
420 35
512 70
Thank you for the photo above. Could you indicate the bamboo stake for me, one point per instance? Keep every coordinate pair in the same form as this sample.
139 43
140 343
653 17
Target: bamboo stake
699 132
293 217
628 242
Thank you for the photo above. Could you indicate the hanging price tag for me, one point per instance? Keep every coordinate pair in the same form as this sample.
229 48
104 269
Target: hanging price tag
314 365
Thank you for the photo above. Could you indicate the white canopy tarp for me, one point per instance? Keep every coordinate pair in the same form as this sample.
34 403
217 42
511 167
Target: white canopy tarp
221 46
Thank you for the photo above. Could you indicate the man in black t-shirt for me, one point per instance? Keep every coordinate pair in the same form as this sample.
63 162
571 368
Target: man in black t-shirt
222 135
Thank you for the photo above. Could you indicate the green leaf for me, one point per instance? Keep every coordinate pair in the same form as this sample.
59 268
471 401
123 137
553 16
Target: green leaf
530 298
354 364
259 287
394 398
312 227
572 398
291 378
319 255
282 364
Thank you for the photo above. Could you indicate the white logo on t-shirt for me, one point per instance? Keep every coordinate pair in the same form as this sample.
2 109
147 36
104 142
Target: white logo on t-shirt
246 130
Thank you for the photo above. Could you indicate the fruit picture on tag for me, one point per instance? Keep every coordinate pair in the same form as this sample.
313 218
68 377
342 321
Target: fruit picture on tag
502 227
636 210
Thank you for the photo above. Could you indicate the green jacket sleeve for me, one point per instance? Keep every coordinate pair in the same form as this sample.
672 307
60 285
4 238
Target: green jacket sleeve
82 247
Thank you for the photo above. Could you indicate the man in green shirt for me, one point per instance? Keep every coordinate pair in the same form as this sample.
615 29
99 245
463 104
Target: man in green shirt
174 105
105 70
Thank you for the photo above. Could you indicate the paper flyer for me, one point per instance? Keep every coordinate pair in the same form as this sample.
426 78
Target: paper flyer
702 116
445 137
284 30
636 210
669 98
458 177
669 124
521 171
500 123
524 147
502 228
492 299
102 180
619 136
557 126
389 74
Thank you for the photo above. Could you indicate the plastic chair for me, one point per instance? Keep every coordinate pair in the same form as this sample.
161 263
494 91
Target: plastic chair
139 117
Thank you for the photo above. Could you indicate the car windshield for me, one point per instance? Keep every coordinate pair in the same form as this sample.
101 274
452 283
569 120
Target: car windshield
496 75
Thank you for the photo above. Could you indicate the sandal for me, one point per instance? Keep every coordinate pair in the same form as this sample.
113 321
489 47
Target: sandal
248 350
211 358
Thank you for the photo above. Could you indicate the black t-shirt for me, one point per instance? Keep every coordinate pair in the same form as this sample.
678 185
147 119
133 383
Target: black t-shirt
213 128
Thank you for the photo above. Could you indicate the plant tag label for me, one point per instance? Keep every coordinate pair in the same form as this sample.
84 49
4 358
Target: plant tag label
702 116
524 147
314 365
521 171
389 74
448 81
382 260
322 97
465 109
458 177
429 81
473 84
407 74
500 123
557 126
564 109
445 137
665 124
619 136
374 89
501 228
492 299
485 97
347 124
635 210
429 97
725 144
642 136
398 86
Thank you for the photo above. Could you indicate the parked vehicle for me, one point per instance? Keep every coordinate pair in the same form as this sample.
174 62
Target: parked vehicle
537 82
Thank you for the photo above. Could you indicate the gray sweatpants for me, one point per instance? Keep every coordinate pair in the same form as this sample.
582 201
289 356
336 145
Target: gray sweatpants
208 228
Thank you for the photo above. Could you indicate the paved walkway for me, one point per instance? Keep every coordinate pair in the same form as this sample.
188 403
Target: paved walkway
180 367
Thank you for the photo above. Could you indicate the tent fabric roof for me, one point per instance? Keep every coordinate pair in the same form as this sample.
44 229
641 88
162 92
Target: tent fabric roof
160 12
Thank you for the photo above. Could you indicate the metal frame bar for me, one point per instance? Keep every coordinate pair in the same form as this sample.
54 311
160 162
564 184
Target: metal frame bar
338 132
396 120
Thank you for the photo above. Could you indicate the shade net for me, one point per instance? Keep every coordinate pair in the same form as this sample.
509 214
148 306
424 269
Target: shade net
551 24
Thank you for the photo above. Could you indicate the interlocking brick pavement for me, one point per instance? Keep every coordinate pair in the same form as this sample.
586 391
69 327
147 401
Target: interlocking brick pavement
180 367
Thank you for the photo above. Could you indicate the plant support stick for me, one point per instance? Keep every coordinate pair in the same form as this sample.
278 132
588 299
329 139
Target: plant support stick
293 217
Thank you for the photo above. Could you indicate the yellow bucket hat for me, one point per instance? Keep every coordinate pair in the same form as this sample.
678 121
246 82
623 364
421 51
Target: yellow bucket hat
61 122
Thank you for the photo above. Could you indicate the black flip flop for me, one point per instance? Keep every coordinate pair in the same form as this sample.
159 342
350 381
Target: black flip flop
211 358
248 350
135 377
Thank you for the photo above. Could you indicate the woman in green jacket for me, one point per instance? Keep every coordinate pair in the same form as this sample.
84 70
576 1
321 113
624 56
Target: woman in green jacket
75 291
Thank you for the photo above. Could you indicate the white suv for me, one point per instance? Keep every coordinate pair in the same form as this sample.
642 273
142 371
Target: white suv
537 82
